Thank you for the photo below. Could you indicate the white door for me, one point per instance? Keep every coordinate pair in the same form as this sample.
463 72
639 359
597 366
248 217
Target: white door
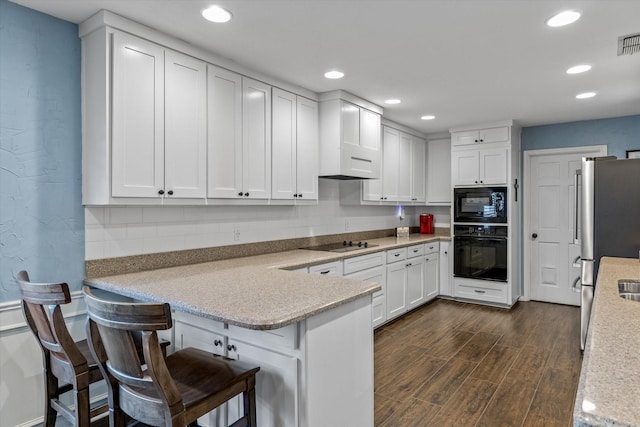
390 152
493 166
415 282
396 289
465 167
550 220
418 170
431 279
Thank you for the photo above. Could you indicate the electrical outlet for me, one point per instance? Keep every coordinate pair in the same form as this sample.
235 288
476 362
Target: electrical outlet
236 234
347 226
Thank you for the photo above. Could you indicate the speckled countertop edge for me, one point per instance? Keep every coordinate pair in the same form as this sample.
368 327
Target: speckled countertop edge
610 377
253 292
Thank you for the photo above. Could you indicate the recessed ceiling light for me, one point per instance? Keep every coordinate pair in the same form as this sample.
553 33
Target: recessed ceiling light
579 69
216 14
334 74
585 95
428 117
563 18
392 101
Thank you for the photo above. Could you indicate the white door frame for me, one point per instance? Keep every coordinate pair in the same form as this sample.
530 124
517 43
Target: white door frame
526 227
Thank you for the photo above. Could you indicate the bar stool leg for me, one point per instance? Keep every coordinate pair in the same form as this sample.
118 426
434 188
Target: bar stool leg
50 392
81 401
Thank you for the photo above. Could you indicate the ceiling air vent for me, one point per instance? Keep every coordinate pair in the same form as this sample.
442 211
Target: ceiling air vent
629 44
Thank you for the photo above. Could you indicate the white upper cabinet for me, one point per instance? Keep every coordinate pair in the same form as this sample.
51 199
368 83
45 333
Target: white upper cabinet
295 147
439 171
480 157
256 139
349 136
185 137
403 167
224 133
239 136
481 136
390 159
418 170
138 118
159 104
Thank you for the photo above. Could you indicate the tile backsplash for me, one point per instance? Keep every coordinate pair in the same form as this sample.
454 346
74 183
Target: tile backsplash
137 230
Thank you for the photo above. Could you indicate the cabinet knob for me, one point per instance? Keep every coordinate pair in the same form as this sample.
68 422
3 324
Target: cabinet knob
170 192
475 140
240 194
481 182
217 343
300 196
409 264
161 192
295 195
231 347
476 182
482 140
534 235
445 252
246 194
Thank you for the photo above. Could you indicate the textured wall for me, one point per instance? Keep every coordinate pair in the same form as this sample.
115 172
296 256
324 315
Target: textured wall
620 134
41 215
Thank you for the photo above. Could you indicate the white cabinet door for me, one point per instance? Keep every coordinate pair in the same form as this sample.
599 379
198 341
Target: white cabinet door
493 166
137 148
379 310
369 129
284 136
396 289
418 168
499 134
465 138
307 149
439 171
465 167
350 115
431 284
185 138
390 153
224 133
415 282
256 139
403 167
377 275
444 270
276 385
191 336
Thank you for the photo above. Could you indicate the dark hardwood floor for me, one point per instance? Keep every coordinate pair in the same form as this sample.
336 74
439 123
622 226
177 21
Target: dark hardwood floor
455 364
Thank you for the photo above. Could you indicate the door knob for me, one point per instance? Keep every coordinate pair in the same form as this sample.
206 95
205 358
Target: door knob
534 235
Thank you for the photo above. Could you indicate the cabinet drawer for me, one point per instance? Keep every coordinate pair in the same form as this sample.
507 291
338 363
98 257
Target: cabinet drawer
286 337
187 335
394 255
351 265
431 248
415 251
486 291
327 269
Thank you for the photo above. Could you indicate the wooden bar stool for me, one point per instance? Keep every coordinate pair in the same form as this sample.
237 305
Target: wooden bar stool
171 391
68 365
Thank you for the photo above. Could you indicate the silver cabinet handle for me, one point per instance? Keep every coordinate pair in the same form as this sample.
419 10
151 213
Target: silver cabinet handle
325 272
479 291
576 207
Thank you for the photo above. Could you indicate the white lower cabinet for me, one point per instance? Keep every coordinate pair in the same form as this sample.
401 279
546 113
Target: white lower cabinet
300 365
327 269
444 270
431 279
371 268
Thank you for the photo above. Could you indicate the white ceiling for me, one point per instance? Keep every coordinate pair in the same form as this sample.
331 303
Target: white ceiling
464 61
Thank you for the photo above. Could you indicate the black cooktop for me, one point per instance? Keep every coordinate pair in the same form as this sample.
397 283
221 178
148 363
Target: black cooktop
341 247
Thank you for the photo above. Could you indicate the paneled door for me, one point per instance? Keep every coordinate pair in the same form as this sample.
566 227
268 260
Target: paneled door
550 223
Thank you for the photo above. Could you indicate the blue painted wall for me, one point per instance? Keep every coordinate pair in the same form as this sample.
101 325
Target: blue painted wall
41 212
619 134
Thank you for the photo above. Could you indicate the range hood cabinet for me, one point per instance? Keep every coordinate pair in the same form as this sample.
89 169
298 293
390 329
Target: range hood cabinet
349 137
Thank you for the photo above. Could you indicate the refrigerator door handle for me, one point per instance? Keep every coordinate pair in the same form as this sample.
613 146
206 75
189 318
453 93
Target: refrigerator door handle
587 236
576 206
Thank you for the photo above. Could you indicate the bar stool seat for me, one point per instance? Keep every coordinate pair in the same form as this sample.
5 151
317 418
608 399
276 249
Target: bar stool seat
171 391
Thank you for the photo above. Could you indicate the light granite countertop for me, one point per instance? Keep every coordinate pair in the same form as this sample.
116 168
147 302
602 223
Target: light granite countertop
253 292
609 385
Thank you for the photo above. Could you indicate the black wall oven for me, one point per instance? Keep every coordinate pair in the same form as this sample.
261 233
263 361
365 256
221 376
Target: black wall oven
480 204
480 252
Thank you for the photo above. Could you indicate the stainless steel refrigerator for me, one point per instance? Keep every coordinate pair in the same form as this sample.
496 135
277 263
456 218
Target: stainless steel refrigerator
610 220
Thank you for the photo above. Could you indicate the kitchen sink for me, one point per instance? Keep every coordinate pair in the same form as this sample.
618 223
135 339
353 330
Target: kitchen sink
629 289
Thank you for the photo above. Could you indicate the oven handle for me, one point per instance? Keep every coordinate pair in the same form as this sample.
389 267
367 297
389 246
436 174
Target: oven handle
496 239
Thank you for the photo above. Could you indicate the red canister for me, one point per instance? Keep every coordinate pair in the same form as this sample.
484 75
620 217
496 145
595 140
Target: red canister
426 223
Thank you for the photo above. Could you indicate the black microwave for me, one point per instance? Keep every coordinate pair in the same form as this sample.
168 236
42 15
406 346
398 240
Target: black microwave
480 204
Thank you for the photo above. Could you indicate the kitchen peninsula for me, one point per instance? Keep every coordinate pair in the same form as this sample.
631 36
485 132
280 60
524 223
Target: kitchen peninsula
311 334
610 380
